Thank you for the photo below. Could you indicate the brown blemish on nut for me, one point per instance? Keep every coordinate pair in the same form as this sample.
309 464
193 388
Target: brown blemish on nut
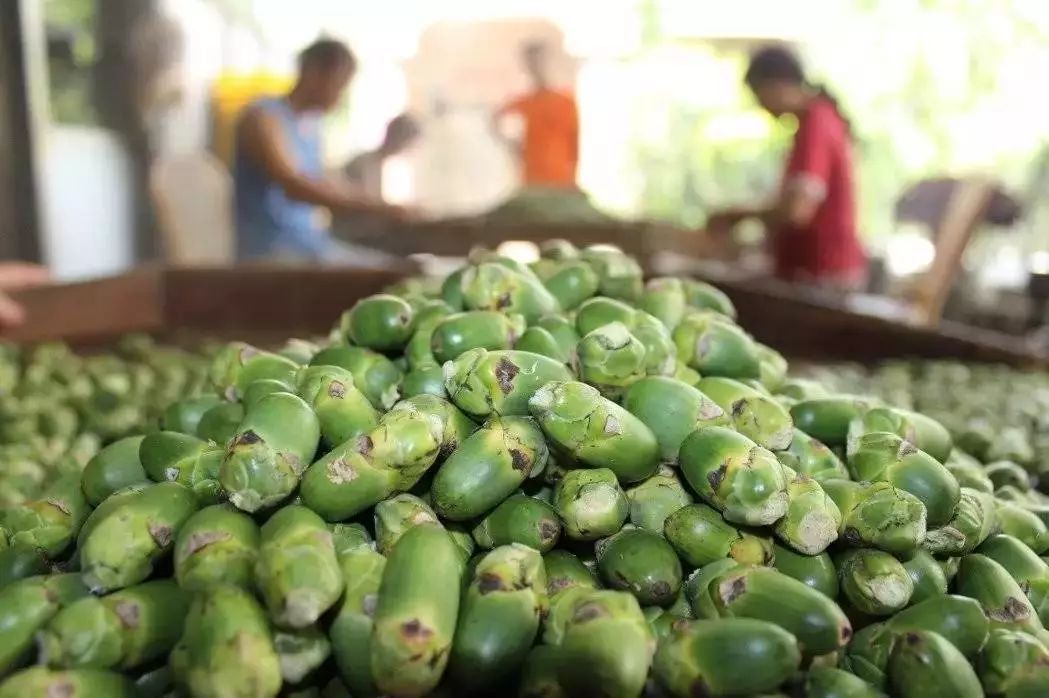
202 539
548 530
587 612
61 689
128 613
488 582
247 439
698 689
732 589
60 505
1013 610
714 477
414 630
505 372
519 461
161 534
340 472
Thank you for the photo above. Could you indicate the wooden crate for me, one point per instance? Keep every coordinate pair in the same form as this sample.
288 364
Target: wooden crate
269 304
254 303
814 326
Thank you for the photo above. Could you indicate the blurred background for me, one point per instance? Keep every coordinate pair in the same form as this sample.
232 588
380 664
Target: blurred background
119 116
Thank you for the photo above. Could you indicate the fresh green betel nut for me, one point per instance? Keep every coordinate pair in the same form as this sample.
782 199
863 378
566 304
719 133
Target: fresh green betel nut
417 610
484 329
296 571
499 618
275 444
499 383
226 642
382 322
488 467
591 503
653 500
216 545
610 358
672 409
642 563
727 656
734 475
595 431
520 519
701 536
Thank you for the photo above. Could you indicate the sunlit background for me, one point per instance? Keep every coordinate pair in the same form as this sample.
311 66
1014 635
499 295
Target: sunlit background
932 87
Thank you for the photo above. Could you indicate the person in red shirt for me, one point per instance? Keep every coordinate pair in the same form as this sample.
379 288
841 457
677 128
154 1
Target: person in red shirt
812 223
549 149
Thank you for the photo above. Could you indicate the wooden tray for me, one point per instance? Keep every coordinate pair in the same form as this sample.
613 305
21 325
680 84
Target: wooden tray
263 304
252 303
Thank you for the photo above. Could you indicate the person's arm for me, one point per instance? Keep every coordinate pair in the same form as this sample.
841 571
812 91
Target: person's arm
514 145
722 222
573 121
15 275
804 187
263 142
797 205
808 171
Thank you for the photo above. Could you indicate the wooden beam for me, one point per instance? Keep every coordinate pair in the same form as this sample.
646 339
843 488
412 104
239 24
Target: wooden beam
92 311
269 304
264 302
963 214
20 224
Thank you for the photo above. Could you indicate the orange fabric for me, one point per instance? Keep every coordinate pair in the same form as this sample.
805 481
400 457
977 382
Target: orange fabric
550 151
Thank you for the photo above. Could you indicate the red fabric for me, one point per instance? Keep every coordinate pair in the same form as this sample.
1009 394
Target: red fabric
551 139
829 246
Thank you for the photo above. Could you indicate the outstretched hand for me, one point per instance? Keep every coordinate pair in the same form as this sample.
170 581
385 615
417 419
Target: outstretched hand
13 276
720 224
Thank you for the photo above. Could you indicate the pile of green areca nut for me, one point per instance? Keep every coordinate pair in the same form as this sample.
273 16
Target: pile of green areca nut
57 408
549 480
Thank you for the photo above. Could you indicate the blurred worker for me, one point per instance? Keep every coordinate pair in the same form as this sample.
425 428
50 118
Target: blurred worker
812 223
549 150
14 276
364 171
281 187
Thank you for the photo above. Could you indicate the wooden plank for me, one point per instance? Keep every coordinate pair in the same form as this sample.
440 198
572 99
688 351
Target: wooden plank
807 324
269 304
20 131
263 301
91 311
963 214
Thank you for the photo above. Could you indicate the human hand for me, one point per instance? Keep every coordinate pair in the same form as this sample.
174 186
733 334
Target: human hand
15 275
402 213
720 224
11 313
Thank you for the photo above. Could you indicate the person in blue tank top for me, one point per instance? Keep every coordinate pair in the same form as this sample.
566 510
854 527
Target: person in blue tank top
281 189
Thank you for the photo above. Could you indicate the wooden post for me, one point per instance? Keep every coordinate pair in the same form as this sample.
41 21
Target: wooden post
964 212
19 132
121 84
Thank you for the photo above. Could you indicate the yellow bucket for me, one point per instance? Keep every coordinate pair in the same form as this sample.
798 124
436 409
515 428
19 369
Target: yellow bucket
229 95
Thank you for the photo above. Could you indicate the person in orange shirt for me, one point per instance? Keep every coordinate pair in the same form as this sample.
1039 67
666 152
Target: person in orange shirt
549 150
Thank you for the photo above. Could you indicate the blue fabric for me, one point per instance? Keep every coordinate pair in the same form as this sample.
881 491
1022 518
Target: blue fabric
269 224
